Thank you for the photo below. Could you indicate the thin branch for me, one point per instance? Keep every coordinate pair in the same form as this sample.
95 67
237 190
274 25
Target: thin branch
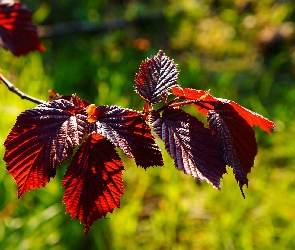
22 95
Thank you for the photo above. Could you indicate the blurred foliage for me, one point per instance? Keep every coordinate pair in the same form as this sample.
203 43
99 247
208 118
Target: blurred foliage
241 49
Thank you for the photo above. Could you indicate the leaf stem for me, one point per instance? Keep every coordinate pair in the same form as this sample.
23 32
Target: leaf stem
22 95
201 104
179 104
174 103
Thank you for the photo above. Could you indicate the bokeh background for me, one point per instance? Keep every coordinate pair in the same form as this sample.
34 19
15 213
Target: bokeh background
242 50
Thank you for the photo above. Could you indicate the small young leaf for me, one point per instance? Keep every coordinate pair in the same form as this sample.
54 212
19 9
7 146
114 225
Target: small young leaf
190 144
42 138
78 103
93 181
156 77
206 102
126 129
17 32
235 137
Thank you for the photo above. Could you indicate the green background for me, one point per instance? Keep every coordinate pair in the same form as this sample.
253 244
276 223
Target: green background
242 50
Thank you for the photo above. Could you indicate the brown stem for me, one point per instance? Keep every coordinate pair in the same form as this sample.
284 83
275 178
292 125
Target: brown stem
22 95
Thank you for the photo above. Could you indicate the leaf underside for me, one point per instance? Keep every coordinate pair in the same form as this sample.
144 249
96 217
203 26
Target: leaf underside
17 31
127 130
42 138
190 144
93 181
156 77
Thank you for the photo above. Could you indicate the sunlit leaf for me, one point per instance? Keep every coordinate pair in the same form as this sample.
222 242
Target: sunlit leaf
17 31
190 144
235 137
40 139
157 75
126 129
205 102
253 119
93 181
197 95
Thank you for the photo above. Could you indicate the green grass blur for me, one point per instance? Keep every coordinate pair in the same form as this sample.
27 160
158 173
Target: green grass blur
242 50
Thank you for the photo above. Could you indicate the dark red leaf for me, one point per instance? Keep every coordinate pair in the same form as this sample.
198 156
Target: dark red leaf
17 31
126 129
93 181
40 139
206 103
157 75
235 137
190 144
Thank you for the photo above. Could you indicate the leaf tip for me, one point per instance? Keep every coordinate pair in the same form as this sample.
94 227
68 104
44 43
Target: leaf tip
86 230
241 188
271 128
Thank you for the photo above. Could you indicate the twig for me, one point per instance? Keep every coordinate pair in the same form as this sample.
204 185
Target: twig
22 95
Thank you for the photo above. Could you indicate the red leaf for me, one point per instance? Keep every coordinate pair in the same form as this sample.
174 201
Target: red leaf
40 139
126 129
17 31
206 103
198 96
156 77
236 139
190 144
93 181
192 94
251 117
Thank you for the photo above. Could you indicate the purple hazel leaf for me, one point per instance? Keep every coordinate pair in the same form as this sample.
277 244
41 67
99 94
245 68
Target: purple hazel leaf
127 129
236 139
157 76
17 31
93 181
42 138
190 144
